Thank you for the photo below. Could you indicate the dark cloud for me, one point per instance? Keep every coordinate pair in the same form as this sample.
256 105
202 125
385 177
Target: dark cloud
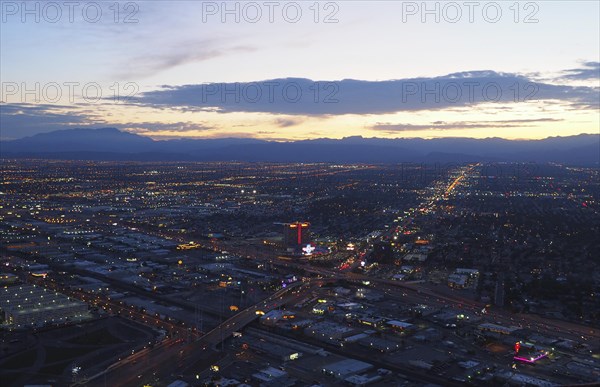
300 96
287 122
21 120
149 127
155 61
441 125
589 71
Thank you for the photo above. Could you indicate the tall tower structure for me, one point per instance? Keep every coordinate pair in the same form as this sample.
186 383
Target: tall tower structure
296 234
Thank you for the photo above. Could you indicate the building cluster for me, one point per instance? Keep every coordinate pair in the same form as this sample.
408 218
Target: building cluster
405 275
27 306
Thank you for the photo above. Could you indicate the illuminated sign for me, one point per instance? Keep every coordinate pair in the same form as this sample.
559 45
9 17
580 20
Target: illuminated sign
527 353
188 246
531 359
308 249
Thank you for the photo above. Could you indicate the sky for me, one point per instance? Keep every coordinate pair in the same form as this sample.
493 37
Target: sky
296 70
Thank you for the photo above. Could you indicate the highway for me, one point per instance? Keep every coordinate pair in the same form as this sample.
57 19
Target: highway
177 357
420 293
193 358
118 308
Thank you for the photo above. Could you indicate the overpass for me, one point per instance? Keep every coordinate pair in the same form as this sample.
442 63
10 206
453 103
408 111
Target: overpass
175 355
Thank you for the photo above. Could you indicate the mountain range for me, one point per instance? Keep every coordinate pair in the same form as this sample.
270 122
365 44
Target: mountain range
114 144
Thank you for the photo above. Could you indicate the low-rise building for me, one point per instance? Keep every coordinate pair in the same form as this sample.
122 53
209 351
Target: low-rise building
344 368
31 305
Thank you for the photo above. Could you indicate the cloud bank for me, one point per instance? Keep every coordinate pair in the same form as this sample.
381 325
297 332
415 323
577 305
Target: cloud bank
301 96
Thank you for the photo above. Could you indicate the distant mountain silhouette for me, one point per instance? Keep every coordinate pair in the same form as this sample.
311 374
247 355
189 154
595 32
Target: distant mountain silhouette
80 140
113 144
